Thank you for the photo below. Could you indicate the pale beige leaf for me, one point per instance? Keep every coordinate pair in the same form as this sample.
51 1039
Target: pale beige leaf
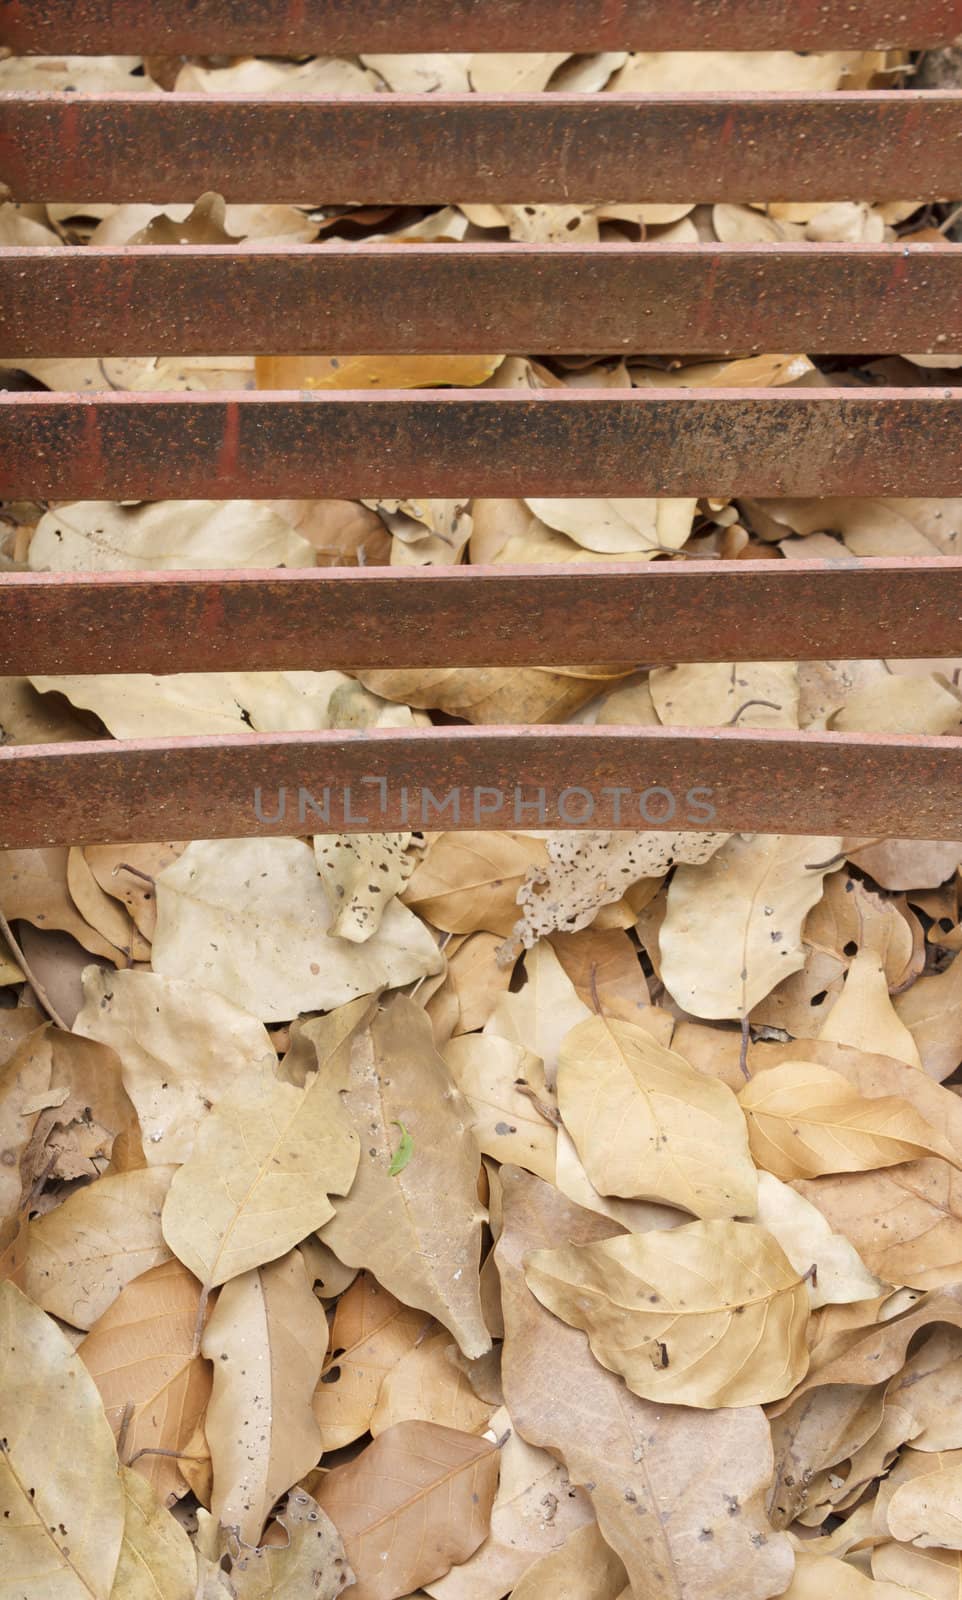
98 536
493 694
585 1568
361 873
635 1216
709 1314
181 1048
414 1503
870 1351
818 1577
932 1011
807 1239
929 1386
721 694
535 1509
822 1429
370 1334
138 705
539 1015
427 1385
263 1164
82 1254
933 1574
61 1500
639 1462
620 527
905 1222
312 1562
605 970
469 881
266 1338
157 1560
249 918
733 927
864 1016
649 1126
805 1121
513 1109
25 1085
418 1231
927 1510
140 1355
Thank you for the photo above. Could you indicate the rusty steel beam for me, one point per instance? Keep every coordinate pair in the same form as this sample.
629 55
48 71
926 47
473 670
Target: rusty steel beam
382 779
432 149
358 618
332 27
555 299
558 442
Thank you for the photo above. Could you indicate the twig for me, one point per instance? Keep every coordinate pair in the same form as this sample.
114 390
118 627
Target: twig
46 1004
743 1052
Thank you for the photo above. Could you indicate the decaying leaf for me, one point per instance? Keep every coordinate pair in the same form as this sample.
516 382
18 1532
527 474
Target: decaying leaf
311 1563
361 873
157 1560
709 1314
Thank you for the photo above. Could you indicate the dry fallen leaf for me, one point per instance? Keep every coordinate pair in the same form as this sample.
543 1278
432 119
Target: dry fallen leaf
411 1505
805 1121
157 1560
60 1490
427 1385
266 1338
418 1231
154 1387
583 1569
469 881
312 1562
649 1126
709 1314
370 1334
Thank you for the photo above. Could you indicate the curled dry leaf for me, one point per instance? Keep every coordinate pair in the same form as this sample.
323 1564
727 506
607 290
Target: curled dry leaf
153 1383
929 1387
370 1334
494 694
413 1504
263 1164
249 918
709 1314
805 1121
82 1254
266 1338
819 1576
933 1574
926 1509
649 1126
733 927
679 1493
58 1465
870 1352
418 1231
905 1222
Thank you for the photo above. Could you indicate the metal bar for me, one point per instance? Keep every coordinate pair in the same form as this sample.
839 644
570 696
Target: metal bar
384 780
555 299
431 149
559 442
354 619
331 27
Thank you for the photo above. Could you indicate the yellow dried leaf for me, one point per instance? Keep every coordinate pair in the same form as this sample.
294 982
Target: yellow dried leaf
157 1560
709 1314
649 1126
373 372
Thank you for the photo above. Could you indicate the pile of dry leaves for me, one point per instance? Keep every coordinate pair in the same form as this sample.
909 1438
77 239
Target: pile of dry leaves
574 1217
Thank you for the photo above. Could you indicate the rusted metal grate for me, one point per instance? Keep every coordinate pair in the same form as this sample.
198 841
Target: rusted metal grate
558 299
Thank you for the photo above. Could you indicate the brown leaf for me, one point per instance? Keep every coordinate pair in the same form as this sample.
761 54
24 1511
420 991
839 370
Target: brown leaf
370 1334
418 1231
869 1355
468 882
679 1493
411 1505
905 1222
427 1385
154 1389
